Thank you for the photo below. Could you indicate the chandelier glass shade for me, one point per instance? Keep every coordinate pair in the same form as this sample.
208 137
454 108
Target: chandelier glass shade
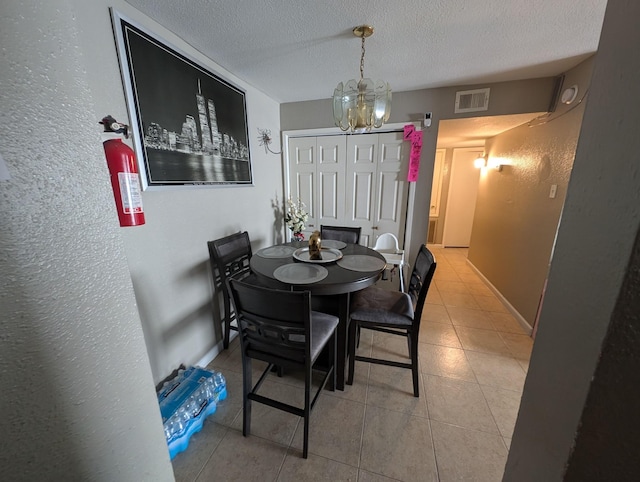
364 104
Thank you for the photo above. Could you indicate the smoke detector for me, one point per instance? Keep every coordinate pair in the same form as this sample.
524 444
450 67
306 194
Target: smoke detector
569 94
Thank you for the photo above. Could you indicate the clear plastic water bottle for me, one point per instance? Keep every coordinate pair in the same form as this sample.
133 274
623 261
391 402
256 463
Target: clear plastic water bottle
219 382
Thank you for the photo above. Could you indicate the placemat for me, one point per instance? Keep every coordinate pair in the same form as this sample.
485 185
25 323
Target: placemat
300 273
276 251
362 262
333 243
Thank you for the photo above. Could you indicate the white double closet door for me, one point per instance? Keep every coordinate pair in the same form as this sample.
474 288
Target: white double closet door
351 180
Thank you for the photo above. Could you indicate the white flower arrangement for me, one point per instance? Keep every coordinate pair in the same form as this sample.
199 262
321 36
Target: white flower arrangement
295 217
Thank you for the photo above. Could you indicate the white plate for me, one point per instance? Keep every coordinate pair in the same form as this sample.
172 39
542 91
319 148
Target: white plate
333 243
362 262
299 273
329 255
276 252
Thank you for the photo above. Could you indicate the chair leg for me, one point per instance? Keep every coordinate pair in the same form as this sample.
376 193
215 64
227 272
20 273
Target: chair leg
307 412
354 328
333 352
226 322
414 364
247 382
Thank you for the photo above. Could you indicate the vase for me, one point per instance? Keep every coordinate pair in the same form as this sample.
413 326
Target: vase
298 236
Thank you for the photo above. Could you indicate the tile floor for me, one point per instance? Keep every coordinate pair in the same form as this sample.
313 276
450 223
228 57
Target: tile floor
473 357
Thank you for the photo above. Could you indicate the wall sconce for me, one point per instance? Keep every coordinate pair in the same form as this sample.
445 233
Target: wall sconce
482 162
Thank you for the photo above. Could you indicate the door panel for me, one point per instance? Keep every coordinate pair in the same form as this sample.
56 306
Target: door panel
361 200
387 205
302 175
331 166
328 203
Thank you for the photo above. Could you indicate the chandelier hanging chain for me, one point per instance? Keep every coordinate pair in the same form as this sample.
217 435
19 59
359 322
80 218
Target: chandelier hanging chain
362 60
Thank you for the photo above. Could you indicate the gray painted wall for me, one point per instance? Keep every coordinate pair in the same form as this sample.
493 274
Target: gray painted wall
599 224
94 314
515 221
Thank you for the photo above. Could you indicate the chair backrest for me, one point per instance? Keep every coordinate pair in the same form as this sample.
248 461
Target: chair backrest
421 277
274 325
387 242
345 234
230 256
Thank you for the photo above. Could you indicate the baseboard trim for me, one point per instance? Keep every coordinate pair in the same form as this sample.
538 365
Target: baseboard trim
525 326
215 351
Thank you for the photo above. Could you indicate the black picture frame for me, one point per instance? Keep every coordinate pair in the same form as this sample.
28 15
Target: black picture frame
189 125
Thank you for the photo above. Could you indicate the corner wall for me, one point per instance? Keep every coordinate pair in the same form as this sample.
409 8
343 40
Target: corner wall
586 294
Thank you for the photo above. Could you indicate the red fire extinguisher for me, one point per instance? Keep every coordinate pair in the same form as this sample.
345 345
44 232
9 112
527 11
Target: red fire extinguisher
124 174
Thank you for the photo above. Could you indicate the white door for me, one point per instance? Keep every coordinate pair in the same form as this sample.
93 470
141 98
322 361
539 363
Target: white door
302 176
377 186
392 187
362 152
461 200
330 176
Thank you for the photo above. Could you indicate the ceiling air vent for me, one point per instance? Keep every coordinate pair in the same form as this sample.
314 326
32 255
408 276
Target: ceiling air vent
472 100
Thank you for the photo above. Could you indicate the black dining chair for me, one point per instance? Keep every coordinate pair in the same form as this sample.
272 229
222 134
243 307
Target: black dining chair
279 328
393 312
345 234
229 257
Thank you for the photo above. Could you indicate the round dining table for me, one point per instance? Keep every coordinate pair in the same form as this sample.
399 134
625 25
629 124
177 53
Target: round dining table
344 269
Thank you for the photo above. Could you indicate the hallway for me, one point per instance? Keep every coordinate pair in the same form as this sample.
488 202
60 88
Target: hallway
473 356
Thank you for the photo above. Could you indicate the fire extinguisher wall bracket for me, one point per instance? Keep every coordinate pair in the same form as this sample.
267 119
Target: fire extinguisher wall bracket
125 182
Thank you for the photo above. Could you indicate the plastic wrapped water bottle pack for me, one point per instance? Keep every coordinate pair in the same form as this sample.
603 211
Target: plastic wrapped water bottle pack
185 401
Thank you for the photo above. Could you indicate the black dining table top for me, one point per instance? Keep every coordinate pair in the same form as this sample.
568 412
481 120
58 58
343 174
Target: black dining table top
338 281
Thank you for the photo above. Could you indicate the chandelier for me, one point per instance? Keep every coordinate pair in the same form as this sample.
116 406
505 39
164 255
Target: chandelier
361 105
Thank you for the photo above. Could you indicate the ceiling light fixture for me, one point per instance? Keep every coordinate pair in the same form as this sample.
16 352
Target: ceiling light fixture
361 105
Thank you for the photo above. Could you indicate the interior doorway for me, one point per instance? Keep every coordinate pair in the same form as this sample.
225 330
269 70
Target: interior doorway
457 134
461 198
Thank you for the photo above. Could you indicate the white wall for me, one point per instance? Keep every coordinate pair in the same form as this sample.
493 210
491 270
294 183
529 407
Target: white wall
80 296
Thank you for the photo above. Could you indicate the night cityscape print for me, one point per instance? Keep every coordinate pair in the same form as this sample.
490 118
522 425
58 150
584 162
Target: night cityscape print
193 123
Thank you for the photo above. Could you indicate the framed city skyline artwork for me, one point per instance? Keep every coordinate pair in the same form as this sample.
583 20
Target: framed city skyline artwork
189 125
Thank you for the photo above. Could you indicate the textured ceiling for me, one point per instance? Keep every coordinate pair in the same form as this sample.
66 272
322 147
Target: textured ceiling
295 50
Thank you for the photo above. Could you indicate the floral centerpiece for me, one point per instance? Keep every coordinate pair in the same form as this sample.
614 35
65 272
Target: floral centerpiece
295 217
